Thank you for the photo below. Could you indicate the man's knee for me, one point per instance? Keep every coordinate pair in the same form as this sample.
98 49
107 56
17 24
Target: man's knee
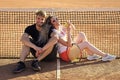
25 49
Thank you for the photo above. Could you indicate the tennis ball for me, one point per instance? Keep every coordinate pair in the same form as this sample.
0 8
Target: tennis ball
66 24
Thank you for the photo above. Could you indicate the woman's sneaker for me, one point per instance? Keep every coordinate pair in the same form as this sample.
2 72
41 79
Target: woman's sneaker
108 58
93 57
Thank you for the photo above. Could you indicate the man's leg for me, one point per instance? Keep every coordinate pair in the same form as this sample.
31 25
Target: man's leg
48 55
24 53
21 66
53 55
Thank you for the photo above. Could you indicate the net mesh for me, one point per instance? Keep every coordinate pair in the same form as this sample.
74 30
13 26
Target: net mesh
102 28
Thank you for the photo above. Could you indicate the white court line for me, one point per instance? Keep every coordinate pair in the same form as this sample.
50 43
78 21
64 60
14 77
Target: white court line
58 69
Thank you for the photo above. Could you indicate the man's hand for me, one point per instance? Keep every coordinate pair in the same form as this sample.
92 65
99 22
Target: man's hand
39 50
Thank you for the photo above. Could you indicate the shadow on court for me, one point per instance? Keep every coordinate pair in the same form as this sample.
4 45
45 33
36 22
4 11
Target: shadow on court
6 69
83 62
49 69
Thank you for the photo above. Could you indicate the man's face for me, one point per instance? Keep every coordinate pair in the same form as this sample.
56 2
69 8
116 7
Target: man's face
40 20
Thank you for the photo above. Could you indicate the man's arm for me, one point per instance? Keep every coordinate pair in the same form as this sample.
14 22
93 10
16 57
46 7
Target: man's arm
52 41
26 41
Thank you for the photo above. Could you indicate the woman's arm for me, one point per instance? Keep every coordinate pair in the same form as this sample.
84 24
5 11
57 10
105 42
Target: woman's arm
69 39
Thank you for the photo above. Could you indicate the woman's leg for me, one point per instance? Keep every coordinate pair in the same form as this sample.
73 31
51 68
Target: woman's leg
91 48
81 37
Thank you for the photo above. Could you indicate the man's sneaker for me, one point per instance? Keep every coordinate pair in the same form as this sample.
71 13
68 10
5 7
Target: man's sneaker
93 57
108 57
20 67
35 65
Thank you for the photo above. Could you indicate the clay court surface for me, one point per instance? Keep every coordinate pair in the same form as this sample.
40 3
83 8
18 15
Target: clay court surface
84 70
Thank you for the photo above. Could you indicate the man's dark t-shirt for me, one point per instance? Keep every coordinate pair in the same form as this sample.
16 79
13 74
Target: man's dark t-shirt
39 38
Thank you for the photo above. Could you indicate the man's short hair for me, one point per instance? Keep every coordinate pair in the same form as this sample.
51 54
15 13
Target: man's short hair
40 13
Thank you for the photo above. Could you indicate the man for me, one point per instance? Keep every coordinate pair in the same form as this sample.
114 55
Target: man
37 38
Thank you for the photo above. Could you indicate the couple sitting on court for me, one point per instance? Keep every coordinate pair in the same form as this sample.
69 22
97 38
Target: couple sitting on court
42 39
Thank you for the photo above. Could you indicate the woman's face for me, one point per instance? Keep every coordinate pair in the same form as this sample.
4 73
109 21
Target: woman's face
55 22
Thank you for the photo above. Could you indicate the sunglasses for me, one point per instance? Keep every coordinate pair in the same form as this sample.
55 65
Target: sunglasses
56 19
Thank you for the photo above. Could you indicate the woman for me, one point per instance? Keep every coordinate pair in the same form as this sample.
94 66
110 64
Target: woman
64 44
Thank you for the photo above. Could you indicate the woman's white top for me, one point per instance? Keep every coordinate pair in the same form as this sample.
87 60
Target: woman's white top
62 34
